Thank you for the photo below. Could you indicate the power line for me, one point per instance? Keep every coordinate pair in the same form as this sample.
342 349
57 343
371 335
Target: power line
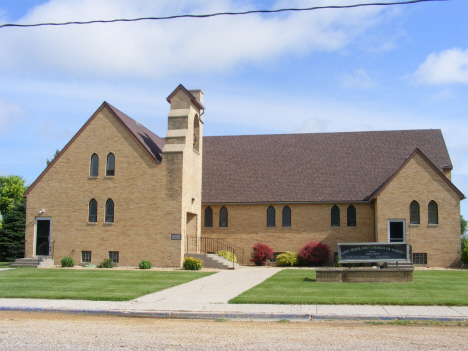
220 14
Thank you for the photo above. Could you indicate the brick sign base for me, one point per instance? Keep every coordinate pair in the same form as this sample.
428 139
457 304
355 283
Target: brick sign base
366 275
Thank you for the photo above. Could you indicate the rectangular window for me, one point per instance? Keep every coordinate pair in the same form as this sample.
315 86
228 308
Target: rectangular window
114 256
86 256
420 258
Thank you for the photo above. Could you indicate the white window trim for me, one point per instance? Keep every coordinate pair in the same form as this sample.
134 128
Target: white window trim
35 233
404 228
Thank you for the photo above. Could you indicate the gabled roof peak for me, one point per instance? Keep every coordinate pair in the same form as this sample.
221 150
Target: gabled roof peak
190 95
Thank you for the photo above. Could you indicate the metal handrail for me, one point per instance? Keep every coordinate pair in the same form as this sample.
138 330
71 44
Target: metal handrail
41 258
213 245
13 251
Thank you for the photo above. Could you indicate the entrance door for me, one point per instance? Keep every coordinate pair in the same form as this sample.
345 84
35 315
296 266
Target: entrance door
396 230
42 236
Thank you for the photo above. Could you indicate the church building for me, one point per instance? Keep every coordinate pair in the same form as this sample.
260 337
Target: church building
119 191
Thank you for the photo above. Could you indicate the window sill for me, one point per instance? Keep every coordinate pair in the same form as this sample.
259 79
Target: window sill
109 177
108 223
351 227
414 225
196 151
335 227
91 223
223 227
93 177
433 225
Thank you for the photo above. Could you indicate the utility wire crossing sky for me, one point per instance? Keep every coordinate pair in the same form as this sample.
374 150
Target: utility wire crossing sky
221 14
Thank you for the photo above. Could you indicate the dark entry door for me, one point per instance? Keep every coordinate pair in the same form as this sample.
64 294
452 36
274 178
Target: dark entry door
42 237
396 231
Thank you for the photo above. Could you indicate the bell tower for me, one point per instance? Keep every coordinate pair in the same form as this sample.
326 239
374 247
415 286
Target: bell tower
182 160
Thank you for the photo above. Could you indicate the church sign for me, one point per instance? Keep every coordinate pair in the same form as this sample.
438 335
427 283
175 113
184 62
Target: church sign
373 252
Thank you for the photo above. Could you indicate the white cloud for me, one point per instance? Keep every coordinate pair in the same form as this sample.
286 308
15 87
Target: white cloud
158 48
446 67
313 125
9 114
358 79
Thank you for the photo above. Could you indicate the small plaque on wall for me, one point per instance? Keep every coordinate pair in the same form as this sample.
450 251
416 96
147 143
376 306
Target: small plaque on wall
176 236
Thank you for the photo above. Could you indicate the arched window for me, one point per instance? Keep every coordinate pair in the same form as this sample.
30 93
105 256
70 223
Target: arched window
223 217
335 216
110 170
414 212
94 169
109 210
92 215
433 212
208 217
286 216
351 216
271 216
196 133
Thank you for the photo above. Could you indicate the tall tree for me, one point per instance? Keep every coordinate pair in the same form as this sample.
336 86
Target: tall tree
12 189
55 155
463 225
12 232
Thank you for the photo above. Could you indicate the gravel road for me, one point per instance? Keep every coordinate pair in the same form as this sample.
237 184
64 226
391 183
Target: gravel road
55 331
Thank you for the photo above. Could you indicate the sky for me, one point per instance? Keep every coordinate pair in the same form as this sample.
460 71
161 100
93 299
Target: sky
335 70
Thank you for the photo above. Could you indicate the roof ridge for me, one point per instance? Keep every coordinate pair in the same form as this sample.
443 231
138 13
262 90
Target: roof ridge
328 133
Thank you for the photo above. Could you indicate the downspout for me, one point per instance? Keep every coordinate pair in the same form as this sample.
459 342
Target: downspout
371 204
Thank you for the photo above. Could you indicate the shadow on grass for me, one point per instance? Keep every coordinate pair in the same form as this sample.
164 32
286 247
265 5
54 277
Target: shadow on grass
309 280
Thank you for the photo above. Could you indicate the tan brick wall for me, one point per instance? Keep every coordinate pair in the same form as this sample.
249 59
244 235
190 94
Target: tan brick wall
309 222
150 203
418 181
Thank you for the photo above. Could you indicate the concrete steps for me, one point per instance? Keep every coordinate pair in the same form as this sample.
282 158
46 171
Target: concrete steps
214 261
32 262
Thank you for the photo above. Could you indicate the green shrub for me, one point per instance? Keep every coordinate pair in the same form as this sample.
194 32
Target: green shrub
336 264
145 264
192 264
228 255
464 243
464 256
287 259
107 263
67 261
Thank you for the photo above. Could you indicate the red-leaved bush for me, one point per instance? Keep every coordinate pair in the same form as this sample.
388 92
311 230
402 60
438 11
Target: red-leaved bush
261 253
314 254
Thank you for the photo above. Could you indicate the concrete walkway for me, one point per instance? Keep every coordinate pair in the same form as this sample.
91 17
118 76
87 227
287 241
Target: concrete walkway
207 298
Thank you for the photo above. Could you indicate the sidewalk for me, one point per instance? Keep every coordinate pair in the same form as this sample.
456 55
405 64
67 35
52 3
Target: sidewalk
207 298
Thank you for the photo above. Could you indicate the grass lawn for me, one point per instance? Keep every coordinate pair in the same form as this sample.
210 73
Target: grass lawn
100 285
4 264
298 286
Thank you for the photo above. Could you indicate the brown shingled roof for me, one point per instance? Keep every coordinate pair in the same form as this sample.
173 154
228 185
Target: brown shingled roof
321 167
150 141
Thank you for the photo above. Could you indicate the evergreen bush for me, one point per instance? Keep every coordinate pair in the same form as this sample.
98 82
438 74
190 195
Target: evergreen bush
287 259
261 253
314 254
67 261
464 256
145 264
192 264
